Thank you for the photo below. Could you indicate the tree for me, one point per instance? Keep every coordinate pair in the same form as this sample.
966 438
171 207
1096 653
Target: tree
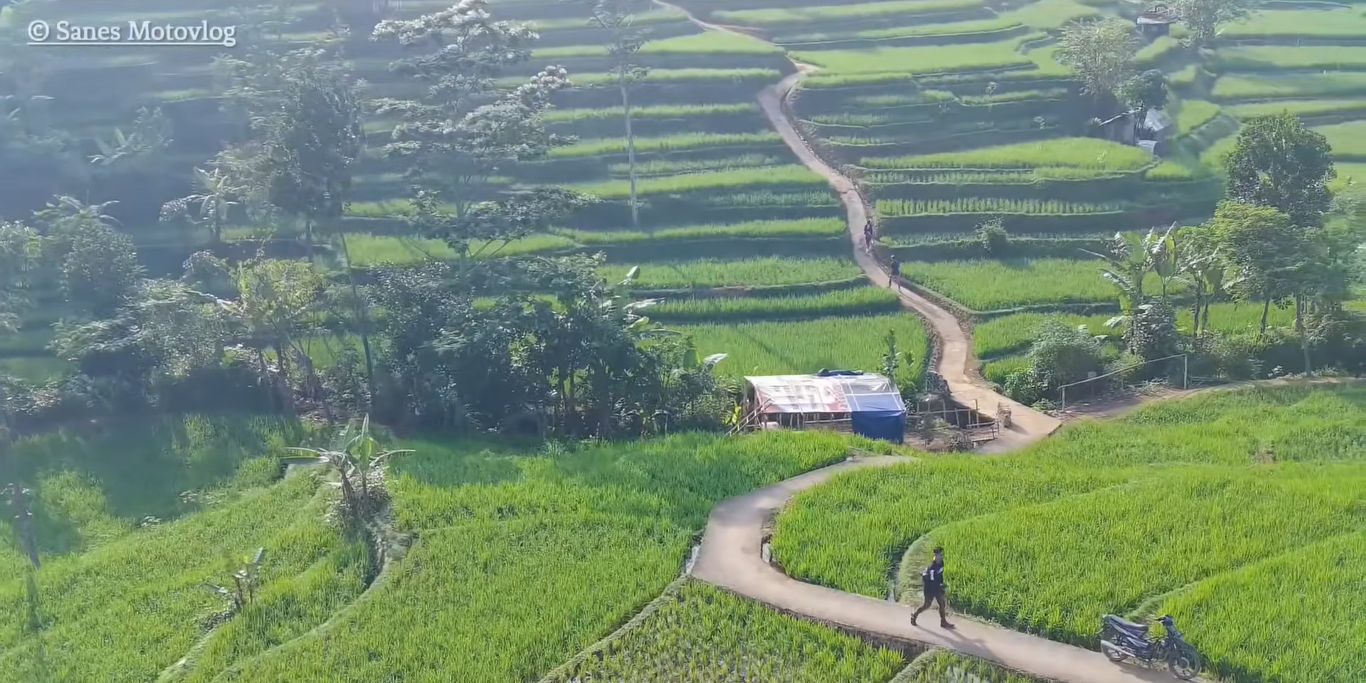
890 359
617 18
314 143
1201 266
1263 249
217 192
1100 52
1152 334
488 227
275 306
305 112
1147 90
150 135
455 137
19 252
1129 259
1278 163
1204 17
100 270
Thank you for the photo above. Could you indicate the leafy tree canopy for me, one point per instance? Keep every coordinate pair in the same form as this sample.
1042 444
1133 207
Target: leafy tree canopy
1277 162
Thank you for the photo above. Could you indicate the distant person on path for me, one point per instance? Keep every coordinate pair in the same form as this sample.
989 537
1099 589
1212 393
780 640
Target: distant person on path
933 580
895 270
868 235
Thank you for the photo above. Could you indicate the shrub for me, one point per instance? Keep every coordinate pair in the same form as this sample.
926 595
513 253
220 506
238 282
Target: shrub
1063 354
993 236
1227 356
1152 331
1021 386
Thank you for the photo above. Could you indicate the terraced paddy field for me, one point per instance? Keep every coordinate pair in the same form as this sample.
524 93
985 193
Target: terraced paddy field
539 552
951 116
716 187
948 112
1078 526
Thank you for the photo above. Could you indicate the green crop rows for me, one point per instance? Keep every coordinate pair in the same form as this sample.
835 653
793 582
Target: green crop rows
701 633
989 285
723 273
942 666
807 346
1266 484
1084 153
993 205
540 554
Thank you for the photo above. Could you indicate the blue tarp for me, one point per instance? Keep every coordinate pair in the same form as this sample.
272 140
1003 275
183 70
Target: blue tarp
886 425
877 415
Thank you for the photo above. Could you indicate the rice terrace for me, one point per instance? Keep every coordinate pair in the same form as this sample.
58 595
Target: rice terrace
697 341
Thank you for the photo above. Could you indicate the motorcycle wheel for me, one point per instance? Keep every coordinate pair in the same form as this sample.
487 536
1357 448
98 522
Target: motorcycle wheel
1113 654
1184 663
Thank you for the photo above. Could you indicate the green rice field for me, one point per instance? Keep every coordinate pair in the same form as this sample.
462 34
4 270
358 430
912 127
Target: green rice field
735 273
520 557
795 347
988 285
708 634
1077 526
570 546
1082 153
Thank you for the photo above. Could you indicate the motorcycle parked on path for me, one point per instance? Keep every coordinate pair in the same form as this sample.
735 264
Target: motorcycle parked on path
1121 639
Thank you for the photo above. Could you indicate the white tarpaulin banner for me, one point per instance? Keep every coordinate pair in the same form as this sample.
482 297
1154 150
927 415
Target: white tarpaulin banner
816 394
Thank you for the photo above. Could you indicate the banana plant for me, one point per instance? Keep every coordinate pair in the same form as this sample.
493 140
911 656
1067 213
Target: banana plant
244 580
356 463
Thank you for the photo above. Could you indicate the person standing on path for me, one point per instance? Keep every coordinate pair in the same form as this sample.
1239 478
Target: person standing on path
933 581
895 273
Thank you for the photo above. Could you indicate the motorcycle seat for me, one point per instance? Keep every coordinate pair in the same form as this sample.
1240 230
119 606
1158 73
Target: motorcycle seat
1126 625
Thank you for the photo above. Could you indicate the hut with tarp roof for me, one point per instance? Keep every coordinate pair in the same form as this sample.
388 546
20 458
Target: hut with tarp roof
860 403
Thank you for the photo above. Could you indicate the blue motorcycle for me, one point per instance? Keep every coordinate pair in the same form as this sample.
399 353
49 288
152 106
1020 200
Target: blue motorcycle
1121 639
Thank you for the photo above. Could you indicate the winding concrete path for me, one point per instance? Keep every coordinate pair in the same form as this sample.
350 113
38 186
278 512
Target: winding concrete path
731 558
956 363
731 554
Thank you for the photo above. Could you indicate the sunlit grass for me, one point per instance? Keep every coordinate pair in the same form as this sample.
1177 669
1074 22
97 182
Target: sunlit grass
807 346
705 273
704 633
1085 153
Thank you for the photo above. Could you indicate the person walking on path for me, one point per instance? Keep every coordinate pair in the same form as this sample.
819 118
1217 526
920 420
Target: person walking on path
894 269
933 581
868 236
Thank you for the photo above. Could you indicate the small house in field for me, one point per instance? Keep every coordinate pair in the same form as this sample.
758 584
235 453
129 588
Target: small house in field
1155 22
860 403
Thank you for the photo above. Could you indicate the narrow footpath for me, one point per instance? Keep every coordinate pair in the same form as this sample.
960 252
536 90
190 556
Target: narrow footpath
731 558
731 554
954 345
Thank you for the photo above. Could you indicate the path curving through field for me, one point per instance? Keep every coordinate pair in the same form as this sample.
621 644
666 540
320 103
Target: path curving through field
731 558
955 360
731 553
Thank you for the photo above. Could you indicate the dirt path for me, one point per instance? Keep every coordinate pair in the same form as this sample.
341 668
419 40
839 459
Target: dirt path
955 356
731 558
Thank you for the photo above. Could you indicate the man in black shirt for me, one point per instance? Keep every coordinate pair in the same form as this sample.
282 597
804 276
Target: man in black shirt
933 580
